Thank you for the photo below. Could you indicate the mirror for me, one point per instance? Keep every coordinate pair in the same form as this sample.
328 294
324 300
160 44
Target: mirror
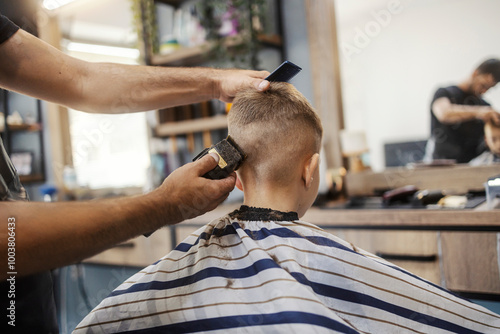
395 54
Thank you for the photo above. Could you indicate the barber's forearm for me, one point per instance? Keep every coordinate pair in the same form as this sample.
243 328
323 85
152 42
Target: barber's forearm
447 112
147 87
31 66
460 113
49 235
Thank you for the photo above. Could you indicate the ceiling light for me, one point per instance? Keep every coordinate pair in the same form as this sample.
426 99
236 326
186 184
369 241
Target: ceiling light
54 4
103 50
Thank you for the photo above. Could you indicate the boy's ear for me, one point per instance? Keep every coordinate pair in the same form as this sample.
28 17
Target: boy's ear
309 168
238 183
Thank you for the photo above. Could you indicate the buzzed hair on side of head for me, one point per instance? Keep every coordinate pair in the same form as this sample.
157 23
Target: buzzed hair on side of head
274 128
490 66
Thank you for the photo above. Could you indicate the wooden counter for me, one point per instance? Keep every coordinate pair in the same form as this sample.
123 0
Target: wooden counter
456 178
396 219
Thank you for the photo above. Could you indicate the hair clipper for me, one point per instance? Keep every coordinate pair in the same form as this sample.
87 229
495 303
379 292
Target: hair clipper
230 158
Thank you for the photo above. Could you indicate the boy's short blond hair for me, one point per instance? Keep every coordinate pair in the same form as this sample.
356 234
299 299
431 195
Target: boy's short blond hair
276 129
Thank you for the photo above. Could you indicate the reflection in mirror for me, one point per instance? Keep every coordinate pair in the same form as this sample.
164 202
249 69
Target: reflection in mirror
394 55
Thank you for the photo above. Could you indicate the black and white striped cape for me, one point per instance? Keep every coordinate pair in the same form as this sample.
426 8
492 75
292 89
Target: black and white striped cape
242 274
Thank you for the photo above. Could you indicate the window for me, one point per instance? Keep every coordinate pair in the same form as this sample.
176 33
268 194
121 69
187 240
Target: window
109 151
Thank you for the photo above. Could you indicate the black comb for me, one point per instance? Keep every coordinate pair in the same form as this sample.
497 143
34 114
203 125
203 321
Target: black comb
285 72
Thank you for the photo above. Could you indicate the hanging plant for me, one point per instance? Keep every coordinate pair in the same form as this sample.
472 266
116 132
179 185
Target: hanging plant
237 19
231 26
146 26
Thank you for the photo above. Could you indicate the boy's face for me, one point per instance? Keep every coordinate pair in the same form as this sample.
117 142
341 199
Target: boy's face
492 138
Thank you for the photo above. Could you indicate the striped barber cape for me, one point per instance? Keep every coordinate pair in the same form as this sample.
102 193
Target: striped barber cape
263 271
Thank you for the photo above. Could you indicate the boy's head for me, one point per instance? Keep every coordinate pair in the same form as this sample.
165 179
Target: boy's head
492 137
281 134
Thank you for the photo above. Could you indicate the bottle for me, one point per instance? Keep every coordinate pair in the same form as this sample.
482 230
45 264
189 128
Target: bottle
49 193
70 183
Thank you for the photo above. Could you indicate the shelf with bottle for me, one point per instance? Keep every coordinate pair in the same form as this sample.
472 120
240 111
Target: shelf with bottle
25 127
200 117
194 55
32 178
173 3
15 122
21 131
191 126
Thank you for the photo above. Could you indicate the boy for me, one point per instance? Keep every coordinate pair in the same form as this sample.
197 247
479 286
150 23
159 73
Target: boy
492 140
263 270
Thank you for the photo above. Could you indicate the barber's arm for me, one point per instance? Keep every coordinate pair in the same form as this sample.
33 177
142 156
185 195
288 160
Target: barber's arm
32 67
50 235
447 112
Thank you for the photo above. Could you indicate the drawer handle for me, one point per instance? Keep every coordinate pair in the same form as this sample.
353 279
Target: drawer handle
401 257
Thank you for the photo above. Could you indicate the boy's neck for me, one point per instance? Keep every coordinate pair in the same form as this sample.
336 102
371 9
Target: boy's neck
284 199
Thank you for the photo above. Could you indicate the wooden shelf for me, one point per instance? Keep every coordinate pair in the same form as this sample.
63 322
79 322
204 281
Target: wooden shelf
183 56
196 54
173 3
191 126
456 179
33 142
24 127
31 178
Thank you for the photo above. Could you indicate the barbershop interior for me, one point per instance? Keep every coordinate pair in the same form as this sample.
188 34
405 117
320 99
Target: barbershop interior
398 181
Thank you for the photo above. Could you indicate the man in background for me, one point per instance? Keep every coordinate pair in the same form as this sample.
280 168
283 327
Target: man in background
458 114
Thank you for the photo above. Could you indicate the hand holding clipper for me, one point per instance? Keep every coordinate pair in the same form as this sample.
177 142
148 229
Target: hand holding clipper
230 158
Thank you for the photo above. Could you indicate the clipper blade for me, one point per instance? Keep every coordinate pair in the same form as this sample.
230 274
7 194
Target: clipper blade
230 158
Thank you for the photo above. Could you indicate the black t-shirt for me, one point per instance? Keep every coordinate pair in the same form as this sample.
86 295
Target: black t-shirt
33 296
7 28
460 141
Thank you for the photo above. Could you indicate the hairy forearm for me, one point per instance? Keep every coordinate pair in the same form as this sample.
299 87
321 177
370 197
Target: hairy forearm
460 113
49 235
147 87
446 112
32 67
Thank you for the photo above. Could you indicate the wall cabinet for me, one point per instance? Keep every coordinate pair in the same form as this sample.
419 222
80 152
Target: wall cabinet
470 261
414 251
21 129
465 262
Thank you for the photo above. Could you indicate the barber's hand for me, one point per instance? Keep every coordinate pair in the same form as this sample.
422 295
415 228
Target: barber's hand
230 82
491 116
186 193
